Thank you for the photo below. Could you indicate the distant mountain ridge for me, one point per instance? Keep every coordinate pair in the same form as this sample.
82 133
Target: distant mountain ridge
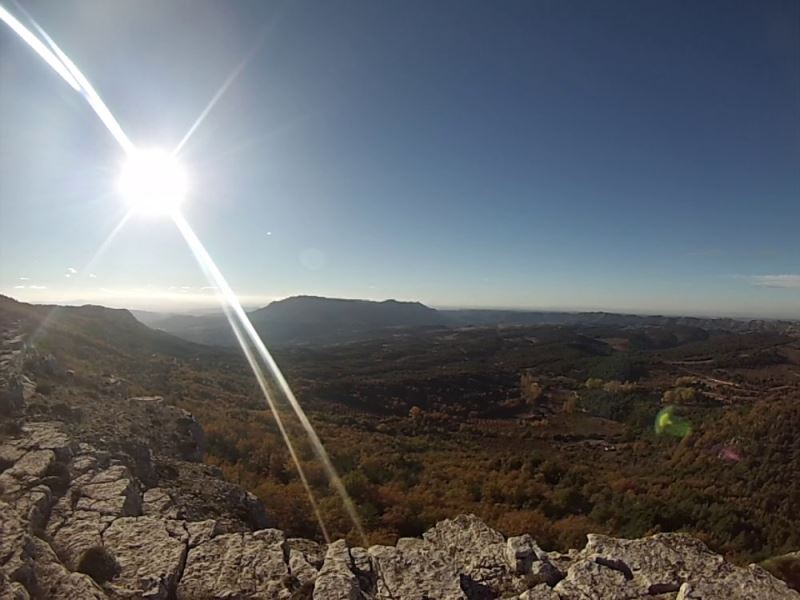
305 319
320 320
475 317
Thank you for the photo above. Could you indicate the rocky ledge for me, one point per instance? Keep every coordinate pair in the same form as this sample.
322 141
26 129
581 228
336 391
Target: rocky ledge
79 522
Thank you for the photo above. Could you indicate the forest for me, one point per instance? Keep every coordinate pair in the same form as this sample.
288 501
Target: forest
555 437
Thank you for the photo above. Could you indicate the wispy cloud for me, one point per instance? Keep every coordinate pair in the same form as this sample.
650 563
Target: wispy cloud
92 276
24 278
72 270
19 287
782 280
37 287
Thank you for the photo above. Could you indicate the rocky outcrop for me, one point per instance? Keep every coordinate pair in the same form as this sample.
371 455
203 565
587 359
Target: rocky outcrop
665 564
244 565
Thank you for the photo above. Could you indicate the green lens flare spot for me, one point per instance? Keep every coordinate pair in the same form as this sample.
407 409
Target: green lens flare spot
667 422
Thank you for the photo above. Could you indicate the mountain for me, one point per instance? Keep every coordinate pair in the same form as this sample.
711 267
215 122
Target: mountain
311 318
317 320
305 319
98 338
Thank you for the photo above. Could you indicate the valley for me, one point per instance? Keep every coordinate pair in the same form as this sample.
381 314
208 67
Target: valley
544 429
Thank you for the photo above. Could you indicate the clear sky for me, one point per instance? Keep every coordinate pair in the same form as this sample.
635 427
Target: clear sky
640 155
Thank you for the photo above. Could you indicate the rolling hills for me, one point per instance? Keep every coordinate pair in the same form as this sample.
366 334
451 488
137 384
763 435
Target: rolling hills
317 320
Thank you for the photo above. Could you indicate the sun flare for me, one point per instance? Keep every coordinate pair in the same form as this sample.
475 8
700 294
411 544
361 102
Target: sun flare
153 182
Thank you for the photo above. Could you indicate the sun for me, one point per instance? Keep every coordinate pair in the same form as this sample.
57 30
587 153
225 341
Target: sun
153 182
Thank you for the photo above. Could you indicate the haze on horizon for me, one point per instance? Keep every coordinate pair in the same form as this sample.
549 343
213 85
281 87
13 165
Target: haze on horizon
634 157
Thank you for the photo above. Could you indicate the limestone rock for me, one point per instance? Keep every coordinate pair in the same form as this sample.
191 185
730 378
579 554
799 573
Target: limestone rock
479 553
92 503
313 552
540 592
752 582
666 563
413 569
49 435
52 580
30 568
237 565
305 559
201 531
520 553
158 503
150 556
587 579
336 580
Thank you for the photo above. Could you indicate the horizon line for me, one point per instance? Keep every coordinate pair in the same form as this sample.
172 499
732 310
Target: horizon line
212 306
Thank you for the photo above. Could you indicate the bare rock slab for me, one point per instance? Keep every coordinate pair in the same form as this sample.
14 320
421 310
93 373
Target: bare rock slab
237 566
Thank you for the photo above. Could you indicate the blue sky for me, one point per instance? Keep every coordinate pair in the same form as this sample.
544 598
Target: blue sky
640 156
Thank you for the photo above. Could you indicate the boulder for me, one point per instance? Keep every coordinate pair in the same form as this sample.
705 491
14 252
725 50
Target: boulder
149 553
751 582
480 554
665 563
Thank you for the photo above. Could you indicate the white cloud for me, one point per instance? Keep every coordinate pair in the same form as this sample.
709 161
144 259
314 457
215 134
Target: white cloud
71 270
37 287
785 280
19 287
24 278
92 276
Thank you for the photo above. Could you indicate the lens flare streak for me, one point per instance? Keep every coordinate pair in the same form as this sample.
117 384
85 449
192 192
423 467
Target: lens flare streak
263 384
239 319
222 89
35 43
203 260
219 93
53 314
62 65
